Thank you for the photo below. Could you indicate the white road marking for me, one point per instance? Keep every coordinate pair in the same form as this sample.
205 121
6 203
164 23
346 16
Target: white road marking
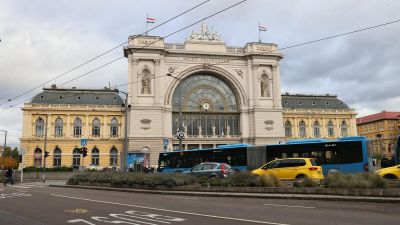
171 211
168 196
1 189
27 186
292 206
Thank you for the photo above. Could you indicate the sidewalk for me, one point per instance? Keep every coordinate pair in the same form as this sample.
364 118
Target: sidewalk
243 195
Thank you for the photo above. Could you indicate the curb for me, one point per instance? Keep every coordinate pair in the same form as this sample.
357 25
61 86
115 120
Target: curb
243 195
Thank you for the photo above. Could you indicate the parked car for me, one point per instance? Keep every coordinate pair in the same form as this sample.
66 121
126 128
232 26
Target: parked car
292 169
392 172
211 169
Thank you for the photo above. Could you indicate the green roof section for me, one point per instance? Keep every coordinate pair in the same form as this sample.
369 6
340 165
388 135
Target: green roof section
76 96
292 101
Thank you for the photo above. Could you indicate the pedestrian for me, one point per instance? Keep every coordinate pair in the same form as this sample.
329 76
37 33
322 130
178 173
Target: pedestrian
8 175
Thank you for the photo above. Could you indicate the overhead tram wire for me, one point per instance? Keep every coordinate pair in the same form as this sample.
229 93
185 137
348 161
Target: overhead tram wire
297 45
112 61
102 54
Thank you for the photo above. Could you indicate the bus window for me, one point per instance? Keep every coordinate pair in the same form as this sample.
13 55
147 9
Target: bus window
284 155
295 155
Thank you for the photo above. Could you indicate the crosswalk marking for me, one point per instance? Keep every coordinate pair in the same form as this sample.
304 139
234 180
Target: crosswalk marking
26 186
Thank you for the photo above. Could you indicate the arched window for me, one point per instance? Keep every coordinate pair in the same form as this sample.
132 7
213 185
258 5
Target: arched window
114 128
76 157
302 129
317 129
57 157
37 157
288 129
39 128
96 127
344 129
113 157
95 156
77 127
58 128
331 132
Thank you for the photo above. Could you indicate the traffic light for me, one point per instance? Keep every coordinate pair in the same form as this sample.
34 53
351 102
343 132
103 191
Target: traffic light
46 154
84 152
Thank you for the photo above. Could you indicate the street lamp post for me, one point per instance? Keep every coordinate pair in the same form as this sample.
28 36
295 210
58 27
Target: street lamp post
125 156
180 108
5 142
45 150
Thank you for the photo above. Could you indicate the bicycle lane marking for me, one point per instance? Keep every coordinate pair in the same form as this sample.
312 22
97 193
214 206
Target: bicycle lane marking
171 211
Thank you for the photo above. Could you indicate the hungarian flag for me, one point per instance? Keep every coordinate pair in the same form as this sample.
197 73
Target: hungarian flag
150 20
262 28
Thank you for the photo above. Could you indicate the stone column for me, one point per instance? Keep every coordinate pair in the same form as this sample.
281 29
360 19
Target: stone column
276 87
68 126
87 128
105 132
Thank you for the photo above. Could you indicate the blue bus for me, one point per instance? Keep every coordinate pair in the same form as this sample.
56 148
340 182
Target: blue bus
349 154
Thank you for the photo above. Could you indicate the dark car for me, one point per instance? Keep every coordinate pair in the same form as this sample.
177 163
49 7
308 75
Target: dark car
211 169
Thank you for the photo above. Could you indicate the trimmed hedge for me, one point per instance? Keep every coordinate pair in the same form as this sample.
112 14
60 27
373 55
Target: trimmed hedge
55 169
355 180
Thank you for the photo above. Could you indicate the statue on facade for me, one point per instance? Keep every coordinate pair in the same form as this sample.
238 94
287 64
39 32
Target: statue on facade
204 35
264 86
145 84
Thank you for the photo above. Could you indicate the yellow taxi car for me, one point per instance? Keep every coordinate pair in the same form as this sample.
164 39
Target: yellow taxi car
292 169
392 172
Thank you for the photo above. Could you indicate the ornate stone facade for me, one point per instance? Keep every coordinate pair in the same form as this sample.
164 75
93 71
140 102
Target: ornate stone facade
229 94
317 116
72 114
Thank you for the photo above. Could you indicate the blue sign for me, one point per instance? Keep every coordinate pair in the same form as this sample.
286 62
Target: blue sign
83 142
165 144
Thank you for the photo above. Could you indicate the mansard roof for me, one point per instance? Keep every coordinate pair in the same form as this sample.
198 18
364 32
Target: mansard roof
312 101
76 96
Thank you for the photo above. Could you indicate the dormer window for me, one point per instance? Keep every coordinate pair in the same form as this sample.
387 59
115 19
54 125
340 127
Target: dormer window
299 103
78 98
61 98
313 103
42 97
115 99
97 98
285 102
327 103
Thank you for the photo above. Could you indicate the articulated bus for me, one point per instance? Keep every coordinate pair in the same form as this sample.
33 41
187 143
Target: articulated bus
349 154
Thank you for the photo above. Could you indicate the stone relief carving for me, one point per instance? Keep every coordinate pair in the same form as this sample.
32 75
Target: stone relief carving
239 72
255 66
269 124
204 35
145 124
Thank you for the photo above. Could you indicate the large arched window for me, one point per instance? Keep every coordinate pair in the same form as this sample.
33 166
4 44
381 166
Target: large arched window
209 107
57 157
317 129
39 127
58 127
76 157
77 127
343 129
288 129
302 129
331 131
95 156
114 127
96 127
113 157
37 157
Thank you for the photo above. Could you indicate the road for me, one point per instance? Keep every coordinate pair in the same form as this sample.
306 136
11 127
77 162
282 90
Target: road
37 203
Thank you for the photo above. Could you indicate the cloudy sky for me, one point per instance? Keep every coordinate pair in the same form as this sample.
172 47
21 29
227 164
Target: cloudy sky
41 39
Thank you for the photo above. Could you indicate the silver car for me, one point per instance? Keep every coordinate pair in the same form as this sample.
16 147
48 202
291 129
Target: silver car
211 170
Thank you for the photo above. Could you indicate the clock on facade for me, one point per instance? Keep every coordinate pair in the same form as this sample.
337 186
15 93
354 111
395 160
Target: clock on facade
206 106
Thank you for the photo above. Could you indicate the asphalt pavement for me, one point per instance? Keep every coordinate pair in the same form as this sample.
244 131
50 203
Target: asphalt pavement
37 203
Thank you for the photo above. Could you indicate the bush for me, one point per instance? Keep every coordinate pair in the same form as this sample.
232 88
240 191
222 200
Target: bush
358 180
270 181
242 179
116 179
306 182
55 169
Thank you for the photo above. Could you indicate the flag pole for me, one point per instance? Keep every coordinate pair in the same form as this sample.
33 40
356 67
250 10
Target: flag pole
259 32
147 15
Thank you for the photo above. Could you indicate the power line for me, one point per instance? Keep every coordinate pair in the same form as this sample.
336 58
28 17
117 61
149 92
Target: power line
102 54
297 45
114 60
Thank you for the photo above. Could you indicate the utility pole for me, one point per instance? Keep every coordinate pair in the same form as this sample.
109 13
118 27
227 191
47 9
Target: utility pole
45 148
179 133
5 142
124 157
